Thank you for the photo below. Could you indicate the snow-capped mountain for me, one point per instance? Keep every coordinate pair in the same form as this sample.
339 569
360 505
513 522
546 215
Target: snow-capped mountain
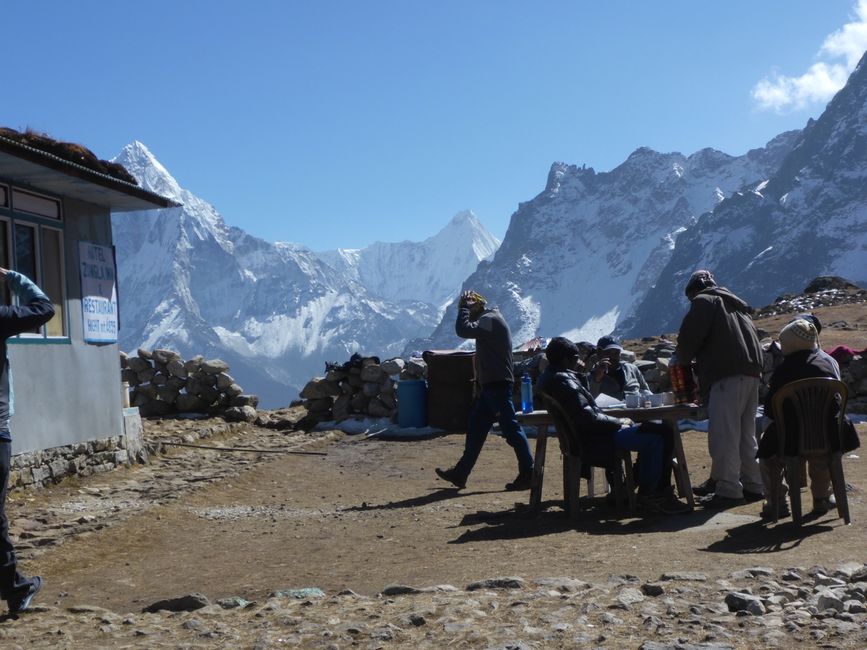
581 255
806 218
439 263
274 312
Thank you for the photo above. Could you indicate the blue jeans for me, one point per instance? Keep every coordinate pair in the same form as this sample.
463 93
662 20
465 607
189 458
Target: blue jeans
494 404
649 446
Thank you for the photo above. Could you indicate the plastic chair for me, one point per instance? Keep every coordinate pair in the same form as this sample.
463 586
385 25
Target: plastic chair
811 411
571 450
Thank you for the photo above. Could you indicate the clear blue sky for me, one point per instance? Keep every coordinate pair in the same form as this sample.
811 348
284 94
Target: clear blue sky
341 123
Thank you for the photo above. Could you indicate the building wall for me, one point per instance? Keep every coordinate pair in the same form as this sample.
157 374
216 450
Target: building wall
69 391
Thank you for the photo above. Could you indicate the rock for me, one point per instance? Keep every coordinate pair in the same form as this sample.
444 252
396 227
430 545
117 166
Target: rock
318 388
497 583
215 366
372 373
393 366
826 282
165 356
378 409
398 590
848 570
234 602
684 576
629 596
823 580
244 400
299 594
829 600
563 585
742 602
186 403
188 603
240 414
652 589
155 409
752 572
370 389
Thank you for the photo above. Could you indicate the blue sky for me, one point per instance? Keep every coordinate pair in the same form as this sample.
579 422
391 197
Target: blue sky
343 123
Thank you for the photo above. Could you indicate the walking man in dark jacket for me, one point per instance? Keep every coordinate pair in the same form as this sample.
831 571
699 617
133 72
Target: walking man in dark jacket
495 375
719 334
33 310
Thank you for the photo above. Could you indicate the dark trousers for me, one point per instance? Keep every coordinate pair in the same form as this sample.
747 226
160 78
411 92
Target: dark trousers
494 404
12 583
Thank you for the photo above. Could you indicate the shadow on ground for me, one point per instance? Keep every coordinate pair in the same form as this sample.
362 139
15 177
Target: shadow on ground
437 495
759 537
524 523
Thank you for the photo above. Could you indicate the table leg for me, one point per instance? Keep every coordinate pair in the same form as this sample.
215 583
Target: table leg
539 466
681 473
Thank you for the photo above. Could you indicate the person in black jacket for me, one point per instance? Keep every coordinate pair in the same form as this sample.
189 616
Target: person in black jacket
495 374
33 310
602 435
803 359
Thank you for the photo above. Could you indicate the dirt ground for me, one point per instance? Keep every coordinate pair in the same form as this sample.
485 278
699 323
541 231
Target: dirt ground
372 513
369 513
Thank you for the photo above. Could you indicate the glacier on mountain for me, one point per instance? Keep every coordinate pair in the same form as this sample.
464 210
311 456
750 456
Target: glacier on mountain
275 312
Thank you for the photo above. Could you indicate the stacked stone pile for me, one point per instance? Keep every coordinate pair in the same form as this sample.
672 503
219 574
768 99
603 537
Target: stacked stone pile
654 365
362 386
162 383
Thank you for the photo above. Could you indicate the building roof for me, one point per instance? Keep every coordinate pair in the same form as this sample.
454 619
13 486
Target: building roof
22 163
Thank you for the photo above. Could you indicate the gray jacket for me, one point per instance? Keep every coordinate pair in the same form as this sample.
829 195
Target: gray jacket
624 379
494 361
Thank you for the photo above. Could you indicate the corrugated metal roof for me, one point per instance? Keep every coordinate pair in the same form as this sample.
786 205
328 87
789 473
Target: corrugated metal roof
26 165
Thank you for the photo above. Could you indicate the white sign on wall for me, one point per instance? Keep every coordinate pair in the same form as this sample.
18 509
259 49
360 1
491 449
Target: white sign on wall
98 293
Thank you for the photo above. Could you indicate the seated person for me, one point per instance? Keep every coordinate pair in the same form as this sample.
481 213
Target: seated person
612 376
602 434
803 359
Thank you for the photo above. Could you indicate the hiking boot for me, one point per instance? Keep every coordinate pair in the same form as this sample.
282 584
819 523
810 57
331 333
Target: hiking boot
705 489
664 503
21 603
824 505
521 482
453 477
752 497
782 512
719 502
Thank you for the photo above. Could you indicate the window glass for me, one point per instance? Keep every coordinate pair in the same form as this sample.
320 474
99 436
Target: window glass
4 259
52 282
25 251
25 255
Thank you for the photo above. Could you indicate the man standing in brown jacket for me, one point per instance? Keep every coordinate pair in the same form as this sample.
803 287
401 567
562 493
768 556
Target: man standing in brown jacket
719 334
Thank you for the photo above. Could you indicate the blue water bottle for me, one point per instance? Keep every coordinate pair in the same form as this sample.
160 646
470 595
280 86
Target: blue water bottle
526 394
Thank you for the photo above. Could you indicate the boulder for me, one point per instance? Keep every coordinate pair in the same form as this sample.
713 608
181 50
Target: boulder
240 414
393 366
215 366
164 356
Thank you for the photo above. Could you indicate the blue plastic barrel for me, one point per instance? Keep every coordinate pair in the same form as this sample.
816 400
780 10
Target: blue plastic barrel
412 403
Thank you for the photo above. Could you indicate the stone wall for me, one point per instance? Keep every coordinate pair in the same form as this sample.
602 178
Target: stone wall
36 469
361 386
162 383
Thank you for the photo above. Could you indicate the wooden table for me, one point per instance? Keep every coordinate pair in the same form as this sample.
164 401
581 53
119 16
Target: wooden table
544 424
